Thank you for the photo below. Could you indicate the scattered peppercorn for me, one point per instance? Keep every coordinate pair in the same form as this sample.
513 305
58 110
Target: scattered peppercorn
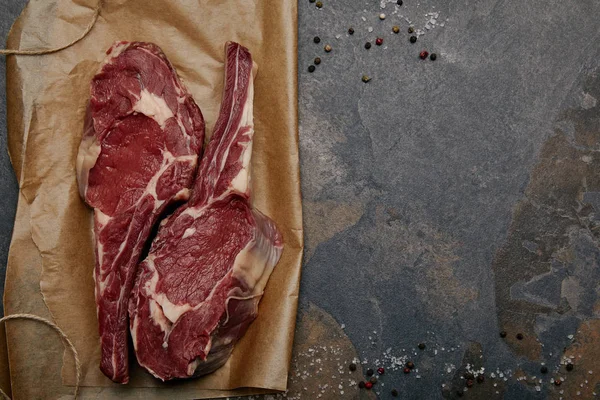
460 393
311 68
327 48
373 380
570 367
544 369
423 54
317 39
361 384
311 1
368 385
317 62
380 371
470 383
399 2
379 41
406 370
382 16
319 4
469 376
413 39
350 31
410 364
557 382
411 29
421 346
395 393
369 372
395 29
368 45
365 79
433 57
503 334
352 367
520 336
480 378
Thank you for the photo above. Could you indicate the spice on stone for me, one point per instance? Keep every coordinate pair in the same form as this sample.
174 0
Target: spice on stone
365 79
352 367
368 45
369 371
399 2
469 375
317 62
410 364
570 367
379 41
557 382
503 334
520 336
480 378
380 370
368 385
395 29
421 346
361 384
544 369
382 16
406 370
413 39
423 55
373 380
319 4
470 383
350 31
411 29
311 1
460 393
433 57
317 39
311 68
395 392
327 48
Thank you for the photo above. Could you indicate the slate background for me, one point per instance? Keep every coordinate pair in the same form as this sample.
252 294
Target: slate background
445 201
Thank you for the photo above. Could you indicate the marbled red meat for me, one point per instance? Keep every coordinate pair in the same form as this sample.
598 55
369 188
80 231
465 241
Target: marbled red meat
139 154
198 290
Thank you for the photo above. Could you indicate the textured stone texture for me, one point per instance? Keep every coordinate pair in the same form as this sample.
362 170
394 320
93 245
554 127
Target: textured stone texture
445 201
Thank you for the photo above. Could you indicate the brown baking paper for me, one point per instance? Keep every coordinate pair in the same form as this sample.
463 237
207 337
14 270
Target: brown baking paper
51 256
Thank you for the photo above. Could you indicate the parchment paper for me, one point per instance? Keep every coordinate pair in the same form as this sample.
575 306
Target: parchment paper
51 254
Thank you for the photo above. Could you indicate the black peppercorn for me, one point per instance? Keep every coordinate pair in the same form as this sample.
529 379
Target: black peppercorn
317 62
421 346
350 31
520 336
460 393
570 367
317 39
352 367
361 384
469 376
433 57
544 369
413 39
311 68
399 2
368 45
503 334
369 372
311 1
394 392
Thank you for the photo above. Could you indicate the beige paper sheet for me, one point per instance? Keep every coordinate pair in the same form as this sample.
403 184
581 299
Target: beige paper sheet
51 254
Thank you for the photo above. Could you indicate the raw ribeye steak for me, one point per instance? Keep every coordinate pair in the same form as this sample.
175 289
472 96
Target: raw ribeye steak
139 154
198 290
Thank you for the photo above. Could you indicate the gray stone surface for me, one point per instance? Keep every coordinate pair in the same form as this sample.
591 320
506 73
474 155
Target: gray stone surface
445 201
